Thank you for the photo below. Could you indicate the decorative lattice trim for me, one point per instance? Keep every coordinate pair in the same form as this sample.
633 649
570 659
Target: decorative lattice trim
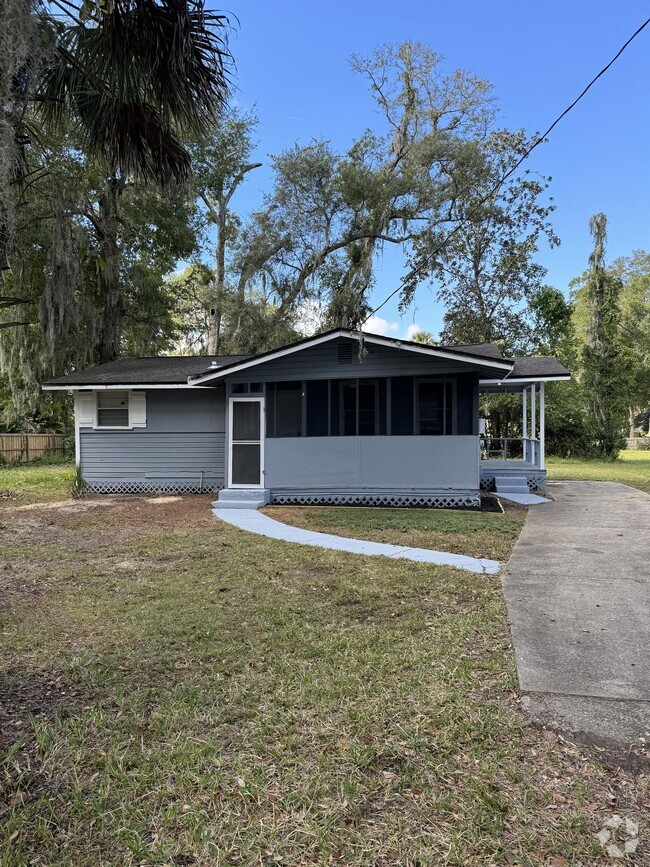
535 483
434 501
149 487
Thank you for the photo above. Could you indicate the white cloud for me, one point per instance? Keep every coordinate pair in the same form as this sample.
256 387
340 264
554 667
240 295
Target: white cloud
412 330
377 325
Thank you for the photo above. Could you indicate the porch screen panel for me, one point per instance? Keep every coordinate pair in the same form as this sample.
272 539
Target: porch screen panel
431 408
317 408
382 407
246 463
335 425
401 406
368 407
348 407
284 409
246 421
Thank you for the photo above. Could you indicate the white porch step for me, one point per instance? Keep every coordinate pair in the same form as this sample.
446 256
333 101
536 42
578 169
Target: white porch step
242 498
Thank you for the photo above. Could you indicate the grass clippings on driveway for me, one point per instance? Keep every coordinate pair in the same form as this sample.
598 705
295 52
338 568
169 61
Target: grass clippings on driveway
476 534
180 692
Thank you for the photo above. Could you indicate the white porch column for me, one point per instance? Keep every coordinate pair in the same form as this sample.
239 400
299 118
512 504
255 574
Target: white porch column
524 418
533 413
541 425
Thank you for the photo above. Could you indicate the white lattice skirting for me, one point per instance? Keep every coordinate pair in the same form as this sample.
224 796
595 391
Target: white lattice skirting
535 483
151 487
418 501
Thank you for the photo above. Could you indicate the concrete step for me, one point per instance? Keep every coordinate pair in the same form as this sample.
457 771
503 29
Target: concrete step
242 498
512 489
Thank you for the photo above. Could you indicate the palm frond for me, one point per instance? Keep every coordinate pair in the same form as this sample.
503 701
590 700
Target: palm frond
138 77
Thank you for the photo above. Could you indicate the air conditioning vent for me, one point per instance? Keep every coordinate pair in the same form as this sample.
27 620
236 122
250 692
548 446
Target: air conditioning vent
345 350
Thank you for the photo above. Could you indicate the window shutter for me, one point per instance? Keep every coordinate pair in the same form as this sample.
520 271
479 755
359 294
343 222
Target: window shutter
138 409
84 407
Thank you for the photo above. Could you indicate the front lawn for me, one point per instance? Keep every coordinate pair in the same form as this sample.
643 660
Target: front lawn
178 692
632 468
477 534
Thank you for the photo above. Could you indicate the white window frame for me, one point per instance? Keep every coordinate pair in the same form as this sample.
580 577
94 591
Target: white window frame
248 398
97 425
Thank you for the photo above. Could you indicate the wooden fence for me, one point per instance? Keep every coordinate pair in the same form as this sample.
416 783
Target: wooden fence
21 448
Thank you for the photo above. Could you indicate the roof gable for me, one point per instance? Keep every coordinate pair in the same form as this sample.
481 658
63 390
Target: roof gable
477 355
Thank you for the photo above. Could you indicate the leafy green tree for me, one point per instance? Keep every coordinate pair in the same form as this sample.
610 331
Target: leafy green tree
605 362
222 160
330 215
485 270
57 273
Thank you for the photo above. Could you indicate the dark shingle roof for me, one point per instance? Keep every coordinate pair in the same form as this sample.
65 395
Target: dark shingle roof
168 370
538 365
175 370
485 350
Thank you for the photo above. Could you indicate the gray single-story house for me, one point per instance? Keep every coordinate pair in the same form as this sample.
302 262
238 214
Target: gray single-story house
336 418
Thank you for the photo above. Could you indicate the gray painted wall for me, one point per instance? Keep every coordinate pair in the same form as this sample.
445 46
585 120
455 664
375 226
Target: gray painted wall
374 463
182 444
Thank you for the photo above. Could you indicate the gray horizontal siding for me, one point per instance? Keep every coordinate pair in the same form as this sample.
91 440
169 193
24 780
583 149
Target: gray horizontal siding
373 463
196 411
139 455
321 362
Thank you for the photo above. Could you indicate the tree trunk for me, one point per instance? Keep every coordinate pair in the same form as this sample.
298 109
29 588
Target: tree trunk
109 273
216 312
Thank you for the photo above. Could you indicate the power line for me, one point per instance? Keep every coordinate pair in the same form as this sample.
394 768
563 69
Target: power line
418 269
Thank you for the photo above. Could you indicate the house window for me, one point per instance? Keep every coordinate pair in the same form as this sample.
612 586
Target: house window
247 388
112 409
284 409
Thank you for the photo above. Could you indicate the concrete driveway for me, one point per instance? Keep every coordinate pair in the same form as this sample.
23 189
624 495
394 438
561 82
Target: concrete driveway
578 593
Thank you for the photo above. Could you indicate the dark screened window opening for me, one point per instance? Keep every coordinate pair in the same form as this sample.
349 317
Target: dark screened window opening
317 396
368 407
112 409
435 408
285 409
401 406
355 407
349 408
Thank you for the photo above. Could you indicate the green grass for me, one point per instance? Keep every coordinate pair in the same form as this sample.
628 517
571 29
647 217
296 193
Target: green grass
632 468
37 482
180 692
477 534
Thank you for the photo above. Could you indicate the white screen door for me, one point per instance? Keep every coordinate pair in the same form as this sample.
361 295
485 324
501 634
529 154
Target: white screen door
246 464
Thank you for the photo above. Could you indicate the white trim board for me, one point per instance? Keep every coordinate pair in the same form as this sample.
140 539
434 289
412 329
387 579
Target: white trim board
131 386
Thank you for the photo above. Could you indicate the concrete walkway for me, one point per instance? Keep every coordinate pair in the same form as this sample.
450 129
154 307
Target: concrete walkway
578 593
255 522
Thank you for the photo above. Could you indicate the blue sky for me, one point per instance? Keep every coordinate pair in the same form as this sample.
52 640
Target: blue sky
292 67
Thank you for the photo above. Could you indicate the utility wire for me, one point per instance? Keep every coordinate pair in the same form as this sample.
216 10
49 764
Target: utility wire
418 269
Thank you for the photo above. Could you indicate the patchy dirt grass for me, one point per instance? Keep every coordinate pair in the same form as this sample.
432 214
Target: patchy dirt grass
490 534
178 692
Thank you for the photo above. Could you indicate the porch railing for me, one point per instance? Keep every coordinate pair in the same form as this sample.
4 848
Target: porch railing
511 449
